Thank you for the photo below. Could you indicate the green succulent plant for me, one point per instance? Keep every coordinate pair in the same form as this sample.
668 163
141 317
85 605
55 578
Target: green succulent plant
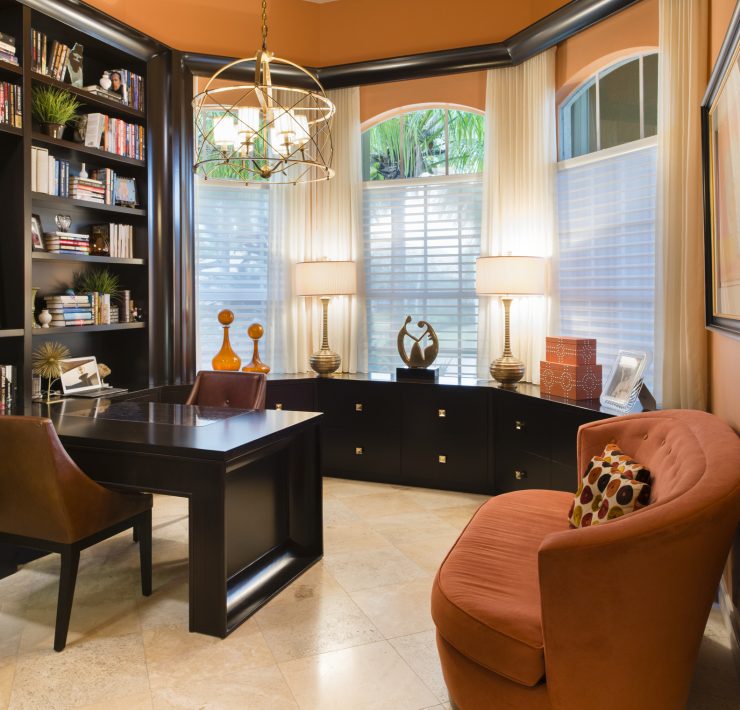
52 105
101 280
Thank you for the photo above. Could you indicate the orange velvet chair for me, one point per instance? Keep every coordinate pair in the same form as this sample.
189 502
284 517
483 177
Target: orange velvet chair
532 614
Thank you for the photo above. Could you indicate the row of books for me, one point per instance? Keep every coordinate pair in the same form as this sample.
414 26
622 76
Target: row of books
49 175
11 104
115 136
119 239
7 388
66 243
58 57
133 88
7 49
69 310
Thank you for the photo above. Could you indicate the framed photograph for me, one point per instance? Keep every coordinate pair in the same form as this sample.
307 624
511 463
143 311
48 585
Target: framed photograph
74 66
79 374
721 172
625 380
37 233
124 192
117 86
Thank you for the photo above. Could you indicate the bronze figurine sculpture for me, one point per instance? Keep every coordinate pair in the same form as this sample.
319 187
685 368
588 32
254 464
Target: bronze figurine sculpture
418 358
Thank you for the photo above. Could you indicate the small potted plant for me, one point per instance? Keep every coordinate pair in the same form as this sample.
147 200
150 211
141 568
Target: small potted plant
54 108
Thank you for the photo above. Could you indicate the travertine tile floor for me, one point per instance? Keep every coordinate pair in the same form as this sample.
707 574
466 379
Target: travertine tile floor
353 633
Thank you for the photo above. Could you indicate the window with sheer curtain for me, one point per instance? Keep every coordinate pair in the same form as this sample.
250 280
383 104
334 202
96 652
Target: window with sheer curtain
231 252
606 210
422 221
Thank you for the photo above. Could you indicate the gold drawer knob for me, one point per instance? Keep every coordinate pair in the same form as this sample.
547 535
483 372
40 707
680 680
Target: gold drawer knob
442 458
278 405
359 451
358 407
520 475
442 413
520 425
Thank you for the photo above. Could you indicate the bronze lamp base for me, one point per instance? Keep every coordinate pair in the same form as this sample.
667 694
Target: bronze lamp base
507 370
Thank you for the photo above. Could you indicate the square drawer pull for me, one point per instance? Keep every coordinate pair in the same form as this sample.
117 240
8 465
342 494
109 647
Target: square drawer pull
520 475
442 458
358 406
359 451
442 413
278 405
520 425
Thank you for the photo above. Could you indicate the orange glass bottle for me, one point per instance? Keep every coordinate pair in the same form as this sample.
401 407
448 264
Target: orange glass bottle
255 332
226 359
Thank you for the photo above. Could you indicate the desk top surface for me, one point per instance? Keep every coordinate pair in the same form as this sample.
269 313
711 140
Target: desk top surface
178 429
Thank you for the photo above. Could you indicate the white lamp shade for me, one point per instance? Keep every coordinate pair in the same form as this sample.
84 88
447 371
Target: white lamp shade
510 275
325 278
224 132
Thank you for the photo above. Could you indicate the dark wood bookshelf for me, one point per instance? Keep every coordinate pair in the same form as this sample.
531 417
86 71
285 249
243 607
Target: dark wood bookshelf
75 329
102 156
8 68
12 333
63 203
90 258
119 110
7 128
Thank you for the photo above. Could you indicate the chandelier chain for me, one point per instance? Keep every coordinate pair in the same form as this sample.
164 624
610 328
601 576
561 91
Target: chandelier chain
264 25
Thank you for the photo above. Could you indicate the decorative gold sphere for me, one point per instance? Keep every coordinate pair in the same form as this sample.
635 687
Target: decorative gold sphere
226 317
255 331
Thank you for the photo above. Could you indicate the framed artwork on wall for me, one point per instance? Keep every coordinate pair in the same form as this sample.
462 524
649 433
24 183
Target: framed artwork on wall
721 173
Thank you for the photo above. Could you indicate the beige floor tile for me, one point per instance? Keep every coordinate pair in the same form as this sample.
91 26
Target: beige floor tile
7 671
370 677
457 517
137 701
12 622
337 513
376 504
714 673
398 609
420 652
444 500
167 606
316 582
429 553
253 689
84 674
365 569
410 528
314 625
344 488
351 537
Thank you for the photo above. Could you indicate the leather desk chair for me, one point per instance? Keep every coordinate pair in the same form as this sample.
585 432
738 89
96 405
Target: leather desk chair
241 390
47 503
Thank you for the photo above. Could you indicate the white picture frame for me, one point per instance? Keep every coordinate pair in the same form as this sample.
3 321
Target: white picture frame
625 380
80 374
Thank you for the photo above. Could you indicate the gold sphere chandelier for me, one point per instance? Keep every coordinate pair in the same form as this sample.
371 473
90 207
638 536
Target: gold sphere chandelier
262 131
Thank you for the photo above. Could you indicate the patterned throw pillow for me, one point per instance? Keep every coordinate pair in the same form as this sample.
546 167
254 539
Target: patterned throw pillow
612 485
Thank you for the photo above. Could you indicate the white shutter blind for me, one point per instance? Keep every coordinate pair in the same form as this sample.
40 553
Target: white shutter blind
606 211
232 226
421 241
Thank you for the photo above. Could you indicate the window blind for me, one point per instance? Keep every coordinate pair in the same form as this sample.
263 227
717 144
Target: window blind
606 212
421 241
231 252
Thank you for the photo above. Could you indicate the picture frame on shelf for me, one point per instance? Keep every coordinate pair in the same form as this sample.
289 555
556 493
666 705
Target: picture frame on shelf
124 192
720 113
625 380
37 233
117 85
74 65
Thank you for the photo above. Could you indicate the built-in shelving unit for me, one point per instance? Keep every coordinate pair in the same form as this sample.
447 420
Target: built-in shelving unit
126 347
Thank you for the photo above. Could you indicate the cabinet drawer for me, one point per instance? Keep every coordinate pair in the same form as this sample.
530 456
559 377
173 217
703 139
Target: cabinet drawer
523 425
520 470
352 452
360 405
565 434
295 396
442 410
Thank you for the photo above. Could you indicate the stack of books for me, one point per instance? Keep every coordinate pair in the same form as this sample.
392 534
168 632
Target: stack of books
49 175
7 388
86 189
11 104
114 314
38 52
67 243
69 310
108 178
104 93
118 237
115 136
7 49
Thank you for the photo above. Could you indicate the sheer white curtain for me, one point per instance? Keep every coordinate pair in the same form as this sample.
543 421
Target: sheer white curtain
311 222
681 350
519 201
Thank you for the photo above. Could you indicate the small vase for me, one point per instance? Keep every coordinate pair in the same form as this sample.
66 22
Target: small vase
83 172
255 332
105 81
55 130
226 358
45 318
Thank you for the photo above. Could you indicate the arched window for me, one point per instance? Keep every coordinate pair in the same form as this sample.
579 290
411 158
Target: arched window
617 105
607 186
422 221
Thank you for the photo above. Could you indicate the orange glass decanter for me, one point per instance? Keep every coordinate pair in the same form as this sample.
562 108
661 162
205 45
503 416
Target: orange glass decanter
226 359
255 332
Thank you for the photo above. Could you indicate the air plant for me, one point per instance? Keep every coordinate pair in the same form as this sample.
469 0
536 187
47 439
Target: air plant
47 364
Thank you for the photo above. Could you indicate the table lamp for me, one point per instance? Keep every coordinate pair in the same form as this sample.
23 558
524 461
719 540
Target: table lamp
509 276
325 279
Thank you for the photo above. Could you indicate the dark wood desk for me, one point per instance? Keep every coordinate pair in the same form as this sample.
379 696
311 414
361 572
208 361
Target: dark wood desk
252 481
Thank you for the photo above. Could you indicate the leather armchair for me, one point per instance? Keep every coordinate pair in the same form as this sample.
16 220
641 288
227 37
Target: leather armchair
47 503
241 390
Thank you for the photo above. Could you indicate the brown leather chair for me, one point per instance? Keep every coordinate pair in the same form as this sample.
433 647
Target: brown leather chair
47 503
240 390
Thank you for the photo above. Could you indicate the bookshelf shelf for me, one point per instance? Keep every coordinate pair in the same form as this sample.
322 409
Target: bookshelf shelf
90 258
69 203
75 329
6 68
102 155
6 128
12 333
105 105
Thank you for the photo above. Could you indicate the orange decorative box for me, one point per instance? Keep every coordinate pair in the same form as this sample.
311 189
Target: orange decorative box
571 351
570 381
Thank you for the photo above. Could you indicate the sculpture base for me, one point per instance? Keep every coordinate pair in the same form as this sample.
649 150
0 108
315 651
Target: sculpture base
417 374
